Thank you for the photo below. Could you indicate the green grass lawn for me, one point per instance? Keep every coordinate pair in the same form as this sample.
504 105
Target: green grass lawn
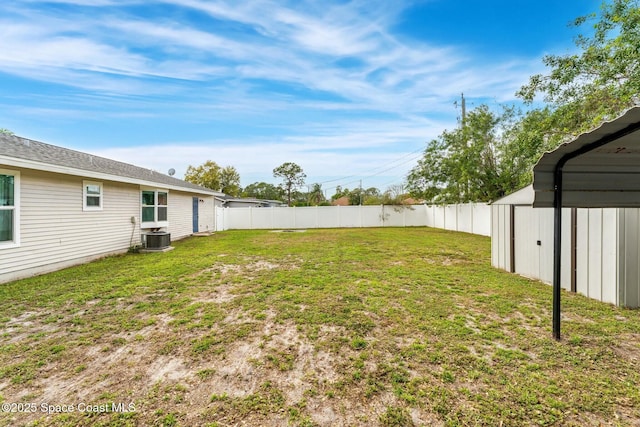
387 327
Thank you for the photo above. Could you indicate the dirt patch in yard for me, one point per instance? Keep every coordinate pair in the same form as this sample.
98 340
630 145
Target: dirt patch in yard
220 294
359 328
628 347
262 379
249 265
27 324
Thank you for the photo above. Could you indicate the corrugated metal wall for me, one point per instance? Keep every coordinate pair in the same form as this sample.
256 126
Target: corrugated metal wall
629 264
533 244
606 257
597 254
501 237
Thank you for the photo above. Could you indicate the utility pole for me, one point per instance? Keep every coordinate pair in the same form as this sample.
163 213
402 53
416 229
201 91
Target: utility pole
464 109
463 105
360 192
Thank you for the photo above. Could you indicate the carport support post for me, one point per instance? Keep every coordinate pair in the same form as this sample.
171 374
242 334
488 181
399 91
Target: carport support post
557 248
557 206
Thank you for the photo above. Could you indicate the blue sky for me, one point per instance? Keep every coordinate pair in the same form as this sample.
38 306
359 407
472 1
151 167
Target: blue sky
349 90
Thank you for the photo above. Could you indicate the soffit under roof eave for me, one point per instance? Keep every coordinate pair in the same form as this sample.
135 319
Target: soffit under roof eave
30 164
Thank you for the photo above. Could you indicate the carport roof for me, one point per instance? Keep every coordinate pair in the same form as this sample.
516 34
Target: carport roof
600 168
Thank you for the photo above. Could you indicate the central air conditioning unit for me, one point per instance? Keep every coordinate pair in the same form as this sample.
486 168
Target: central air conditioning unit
157 240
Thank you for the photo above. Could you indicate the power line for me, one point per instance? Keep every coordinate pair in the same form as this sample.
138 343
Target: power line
386 167
337 179
392 167
377 173
390 183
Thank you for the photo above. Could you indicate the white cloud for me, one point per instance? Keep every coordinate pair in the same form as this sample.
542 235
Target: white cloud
278 63
256 161
295 47
361 149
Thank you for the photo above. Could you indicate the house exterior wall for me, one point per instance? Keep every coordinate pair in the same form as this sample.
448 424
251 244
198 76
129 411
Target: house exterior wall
55 232
206 214
180 214
244 204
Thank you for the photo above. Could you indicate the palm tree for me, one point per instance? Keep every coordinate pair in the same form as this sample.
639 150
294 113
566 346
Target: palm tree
316 196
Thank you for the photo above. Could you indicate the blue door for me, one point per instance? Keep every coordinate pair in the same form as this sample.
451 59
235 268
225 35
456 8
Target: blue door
195 214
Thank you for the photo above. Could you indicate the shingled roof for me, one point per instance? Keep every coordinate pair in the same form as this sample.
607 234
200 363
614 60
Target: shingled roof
37 154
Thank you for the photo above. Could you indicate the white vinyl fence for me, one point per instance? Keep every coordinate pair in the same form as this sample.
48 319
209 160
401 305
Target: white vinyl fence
472 218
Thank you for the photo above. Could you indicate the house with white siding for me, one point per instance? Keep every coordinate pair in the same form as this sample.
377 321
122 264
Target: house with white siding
60 207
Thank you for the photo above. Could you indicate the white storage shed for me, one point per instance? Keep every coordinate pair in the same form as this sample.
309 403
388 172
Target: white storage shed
600 247
596 178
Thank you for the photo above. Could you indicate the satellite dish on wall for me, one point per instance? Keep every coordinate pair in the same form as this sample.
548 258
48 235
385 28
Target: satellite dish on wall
172 172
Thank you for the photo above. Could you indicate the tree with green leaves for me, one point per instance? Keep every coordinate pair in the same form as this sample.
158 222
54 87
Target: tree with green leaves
581 90
365 196
340 192
357 196
394 195
263 190
230 181
465 164
597 83
316 195
493 154
211 175
292 177
6 131
523 141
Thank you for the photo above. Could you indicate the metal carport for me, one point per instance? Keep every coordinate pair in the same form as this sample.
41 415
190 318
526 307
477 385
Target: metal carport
600 168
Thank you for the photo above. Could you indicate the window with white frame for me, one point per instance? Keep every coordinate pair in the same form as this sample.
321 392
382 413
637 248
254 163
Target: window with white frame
9 208
92 196
154 208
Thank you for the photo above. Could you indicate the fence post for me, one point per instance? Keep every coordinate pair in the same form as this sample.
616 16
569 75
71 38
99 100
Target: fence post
473 205
404 217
